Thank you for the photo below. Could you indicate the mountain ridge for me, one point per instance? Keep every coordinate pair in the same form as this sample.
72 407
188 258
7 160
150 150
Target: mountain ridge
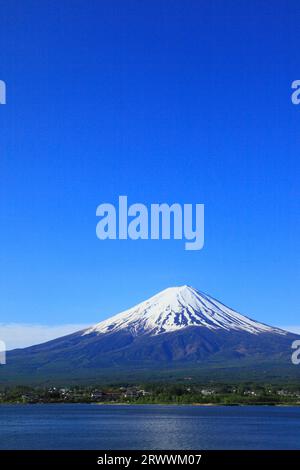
176 308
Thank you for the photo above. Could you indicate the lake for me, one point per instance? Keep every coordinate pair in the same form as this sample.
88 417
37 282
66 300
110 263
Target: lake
113 427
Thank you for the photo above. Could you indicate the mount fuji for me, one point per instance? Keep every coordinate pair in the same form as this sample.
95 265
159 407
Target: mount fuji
176 332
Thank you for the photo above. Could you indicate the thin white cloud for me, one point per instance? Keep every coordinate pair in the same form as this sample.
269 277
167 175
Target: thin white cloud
17 335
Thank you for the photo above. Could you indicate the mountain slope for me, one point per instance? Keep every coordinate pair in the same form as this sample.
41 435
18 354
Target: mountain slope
174 332
176 308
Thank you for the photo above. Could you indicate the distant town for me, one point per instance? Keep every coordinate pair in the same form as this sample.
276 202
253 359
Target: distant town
214 394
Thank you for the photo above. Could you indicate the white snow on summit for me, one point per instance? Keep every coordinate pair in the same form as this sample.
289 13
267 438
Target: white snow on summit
176 308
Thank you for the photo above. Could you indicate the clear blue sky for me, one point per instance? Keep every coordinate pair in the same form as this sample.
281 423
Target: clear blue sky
164 101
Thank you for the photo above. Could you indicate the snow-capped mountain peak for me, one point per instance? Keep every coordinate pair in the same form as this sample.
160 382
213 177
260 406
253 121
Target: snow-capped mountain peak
176 308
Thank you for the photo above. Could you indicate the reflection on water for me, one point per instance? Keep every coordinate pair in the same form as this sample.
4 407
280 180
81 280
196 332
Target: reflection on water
148 427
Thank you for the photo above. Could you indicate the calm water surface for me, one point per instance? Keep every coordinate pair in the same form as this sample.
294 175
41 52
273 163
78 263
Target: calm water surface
148 427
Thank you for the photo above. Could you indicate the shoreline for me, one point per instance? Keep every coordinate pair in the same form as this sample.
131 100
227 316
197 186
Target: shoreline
216 405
